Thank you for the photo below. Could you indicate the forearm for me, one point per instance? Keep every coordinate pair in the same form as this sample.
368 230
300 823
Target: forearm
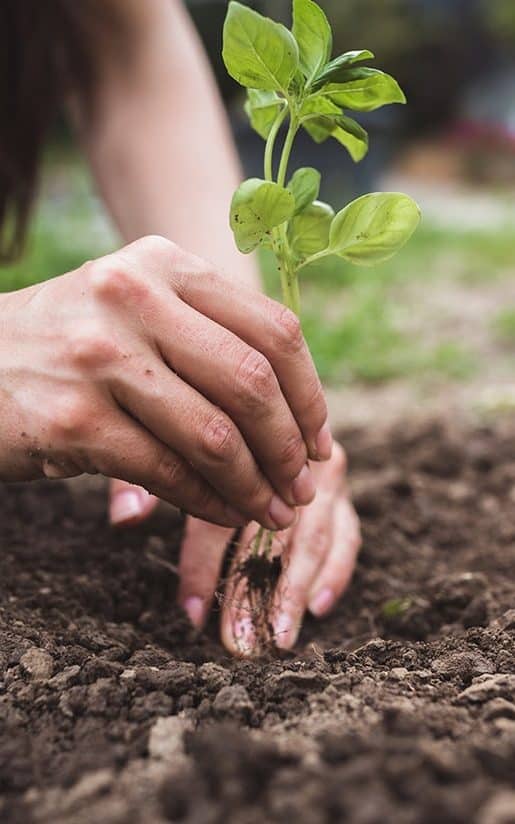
160 147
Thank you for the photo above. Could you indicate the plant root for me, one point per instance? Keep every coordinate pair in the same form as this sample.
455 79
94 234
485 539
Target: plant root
256 577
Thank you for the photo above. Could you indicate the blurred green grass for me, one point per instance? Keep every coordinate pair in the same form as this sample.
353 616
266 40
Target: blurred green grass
68 226
361 324
504 325
48 254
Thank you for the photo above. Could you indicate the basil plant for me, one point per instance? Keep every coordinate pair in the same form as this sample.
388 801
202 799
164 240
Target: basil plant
291 77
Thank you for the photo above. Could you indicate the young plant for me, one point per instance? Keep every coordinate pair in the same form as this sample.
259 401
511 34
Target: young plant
292 79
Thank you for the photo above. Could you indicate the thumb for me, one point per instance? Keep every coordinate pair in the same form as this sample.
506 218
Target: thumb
128 504
202 554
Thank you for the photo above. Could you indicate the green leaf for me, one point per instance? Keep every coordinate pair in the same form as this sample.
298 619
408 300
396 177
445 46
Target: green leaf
332 69
317 115
351 135
364 90
257 207
317 105
305 187
308 232
396 607
314 37
373 227
258 52
322 119
262 109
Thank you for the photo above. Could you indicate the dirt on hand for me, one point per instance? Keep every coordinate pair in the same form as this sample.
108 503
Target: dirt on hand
398 708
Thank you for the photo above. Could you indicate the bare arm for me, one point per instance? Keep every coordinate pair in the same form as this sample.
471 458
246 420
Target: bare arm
159 142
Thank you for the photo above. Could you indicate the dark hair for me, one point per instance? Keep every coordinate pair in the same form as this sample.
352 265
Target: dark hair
47 52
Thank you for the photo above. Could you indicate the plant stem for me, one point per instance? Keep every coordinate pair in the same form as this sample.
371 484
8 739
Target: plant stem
318 256
281 248
288 145
289 283
256 543
283 265
270 144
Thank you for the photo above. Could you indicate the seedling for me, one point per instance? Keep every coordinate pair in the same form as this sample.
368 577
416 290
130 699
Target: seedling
292 79
396 607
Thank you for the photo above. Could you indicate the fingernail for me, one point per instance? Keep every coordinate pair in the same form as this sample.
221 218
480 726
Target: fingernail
303 487
244 635
322 602
194 607
285 631
126 506
280 513
324 443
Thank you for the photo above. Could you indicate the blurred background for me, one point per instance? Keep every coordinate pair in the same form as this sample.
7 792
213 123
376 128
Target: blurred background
435 328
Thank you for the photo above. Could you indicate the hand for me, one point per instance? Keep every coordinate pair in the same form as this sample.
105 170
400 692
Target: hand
318 553
147 366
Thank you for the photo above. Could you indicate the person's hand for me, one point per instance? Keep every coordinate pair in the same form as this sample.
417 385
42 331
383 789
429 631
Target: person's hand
318 557
147 366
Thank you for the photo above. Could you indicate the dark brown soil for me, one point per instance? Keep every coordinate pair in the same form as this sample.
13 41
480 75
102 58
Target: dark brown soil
399 708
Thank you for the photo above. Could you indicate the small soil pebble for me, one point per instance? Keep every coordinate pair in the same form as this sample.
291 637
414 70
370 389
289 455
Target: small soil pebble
233 702
65 678
166 736
214 676
500 809
488 687
464 665
37 663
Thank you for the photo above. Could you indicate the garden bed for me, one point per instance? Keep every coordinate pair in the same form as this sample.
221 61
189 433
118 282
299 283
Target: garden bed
398 708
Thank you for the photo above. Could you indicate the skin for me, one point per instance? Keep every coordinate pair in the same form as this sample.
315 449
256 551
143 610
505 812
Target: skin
110 369
103 396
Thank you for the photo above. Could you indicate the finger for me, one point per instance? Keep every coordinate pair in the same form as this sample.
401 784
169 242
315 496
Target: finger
203 434
336 573
128 504
244 611
129 452
310 545
238 617
202 553
241 381
273 330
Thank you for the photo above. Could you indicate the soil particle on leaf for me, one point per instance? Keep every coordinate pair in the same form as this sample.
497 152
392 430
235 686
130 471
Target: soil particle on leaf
397 709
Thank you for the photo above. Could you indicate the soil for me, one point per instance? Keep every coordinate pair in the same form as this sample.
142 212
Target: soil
398 708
